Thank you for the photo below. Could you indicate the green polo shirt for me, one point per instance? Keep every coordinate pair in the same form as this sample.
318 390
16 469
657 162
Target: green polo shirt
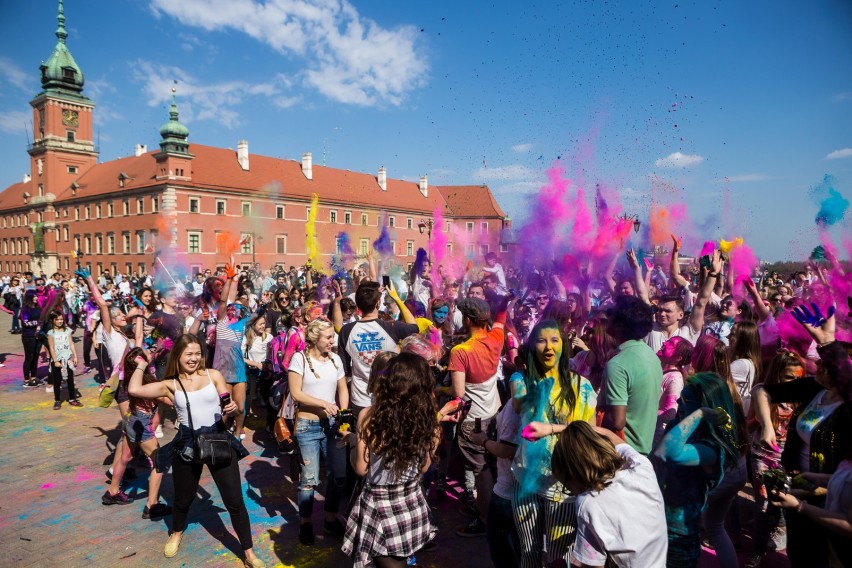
634 379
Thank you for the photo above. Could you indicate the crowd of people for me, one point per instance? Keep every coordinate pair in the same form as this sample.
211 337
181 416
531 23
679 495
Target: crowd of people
603 420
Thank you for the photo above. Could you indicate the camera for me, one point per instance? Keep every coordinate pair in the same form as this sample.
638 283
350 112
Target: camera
344 422
776 479
187 452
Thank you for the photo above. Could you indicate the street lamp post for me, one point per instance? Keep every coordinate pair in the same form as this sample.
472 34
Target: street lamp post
425 225
625 217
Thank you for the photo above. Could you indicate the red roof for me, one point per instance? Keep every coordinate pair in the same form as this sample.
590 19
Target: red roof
218 168
471 201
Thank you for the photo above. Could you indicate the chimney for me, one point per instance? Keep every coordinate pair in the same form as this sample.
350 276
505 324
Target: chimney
424 186
141 149
27 178
242 154
382 178
308 165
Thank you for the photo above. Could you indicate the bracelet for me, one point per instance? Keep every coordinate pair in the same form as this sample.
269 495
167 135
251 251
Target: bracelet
552 431
713 274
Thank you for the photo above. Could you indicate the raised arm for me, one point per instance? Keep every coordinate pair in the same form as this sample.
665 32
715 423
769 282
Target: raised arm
609 280
229 291
406 314
760 308
96 296
674 265
336 311
638 279
696 317
151 390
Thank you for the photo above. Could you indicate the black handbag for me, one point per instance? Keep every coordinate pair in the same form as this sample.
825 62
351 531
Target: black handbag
212 448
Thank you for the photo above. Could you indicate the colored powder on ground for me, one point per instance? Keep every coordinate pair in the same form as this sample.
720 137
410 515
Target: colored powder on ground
47 486
535 453
832 205
83 475
311 245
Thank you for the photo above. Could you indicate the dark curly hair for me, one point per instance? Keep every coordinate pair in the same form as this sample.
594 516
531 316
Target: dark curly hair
401 425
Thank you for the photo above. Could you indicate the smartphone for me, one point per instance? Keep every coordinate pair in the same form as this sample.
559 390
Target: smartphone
704 262
477 425
386 281
224 399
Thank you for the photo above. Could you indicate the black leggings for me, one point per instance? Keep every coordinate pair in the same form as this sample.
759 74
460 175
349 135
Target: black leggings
227 479
390 562
56 379
31 348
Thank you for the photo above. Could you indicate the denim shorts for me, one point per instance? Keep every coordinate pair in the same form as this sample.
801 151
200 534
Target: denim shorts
138 427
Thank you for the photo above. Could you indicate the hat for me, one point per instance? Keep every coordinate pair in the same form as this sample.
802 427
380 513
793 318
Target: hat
475 309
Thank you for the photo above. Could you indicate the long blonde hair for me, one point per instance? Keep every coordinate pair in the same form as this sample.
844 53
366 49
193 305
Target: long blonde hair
250 334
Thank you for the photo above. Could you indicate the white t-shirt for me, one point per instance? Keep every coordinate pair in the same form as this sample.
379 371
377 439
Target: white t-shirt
508 427
259 348
115 344
656 338
323 385
742 371
626 519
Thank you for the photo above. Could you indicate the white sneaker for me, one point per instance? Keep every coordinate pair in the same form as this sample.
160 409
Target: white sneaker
159 431
48 388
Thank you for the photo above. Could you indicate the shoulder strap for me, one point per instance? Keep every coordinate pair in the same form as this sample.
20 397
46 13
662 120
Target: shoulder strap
188 409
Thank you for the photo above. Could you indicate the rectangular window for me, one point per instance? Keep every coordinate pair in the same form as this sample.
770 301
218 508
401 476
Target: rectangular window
65 233
393 248
347 217
97 211
140 242
449 248
70 136
125 208
87 244
88 212
140 206
67 263
220 207
483 249
363 247
469 226
99 243
409 248
470 250
504 247
279 211
125 242
391 221
194 204
409 223
109 209
194 244
141 268
76 243
155 204
364 220
332 217
246 209
281 244
111 243
483 227
248 244
64 214
72 169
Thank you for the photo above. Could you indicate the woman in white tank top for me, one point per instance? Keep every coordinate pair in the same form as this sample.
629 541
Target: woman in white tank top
187 378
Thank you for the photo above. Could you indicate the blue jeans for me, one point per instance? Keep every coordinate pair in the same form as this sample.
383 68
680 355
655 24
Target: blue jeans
315 438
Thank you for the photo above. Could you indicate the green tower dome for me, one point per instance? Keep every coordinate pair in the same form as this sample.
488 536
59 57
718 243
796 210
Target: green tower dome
174 134
60 71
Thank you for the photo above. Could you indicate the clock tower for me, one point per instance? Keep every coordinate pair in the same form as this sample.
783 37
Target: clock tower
63 147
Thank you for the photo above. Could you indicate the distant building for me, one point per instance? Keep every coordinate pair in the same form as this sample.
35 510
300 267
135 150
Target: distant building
199 201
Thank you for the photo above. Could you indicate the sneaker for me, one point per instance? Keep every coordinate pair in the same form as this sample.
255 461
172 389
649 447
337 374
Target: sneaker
57 405
75 402
756 560
778 539
30 383
157 511
469 511
48 387
335 528
306 534
119 498
158 432
475 528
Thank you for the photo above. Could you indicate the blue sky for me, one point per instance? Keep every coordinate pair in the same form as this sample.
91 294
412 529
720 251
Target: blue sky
475 92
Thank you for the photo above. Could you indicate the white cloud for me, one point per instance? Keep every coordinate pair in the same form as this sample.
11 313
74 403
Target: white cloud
347 58
15 121
13 74
678 160
512 172
522 148
837 154
840 97
747 178
217 101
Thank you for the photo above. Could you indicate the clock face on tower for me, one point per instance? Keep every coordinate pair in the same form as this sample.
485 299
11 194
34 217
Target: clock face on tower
70 117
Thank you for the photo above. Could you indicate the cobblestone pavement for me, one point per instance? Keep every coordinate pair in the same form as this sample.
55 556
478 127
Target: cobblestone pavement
53 463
